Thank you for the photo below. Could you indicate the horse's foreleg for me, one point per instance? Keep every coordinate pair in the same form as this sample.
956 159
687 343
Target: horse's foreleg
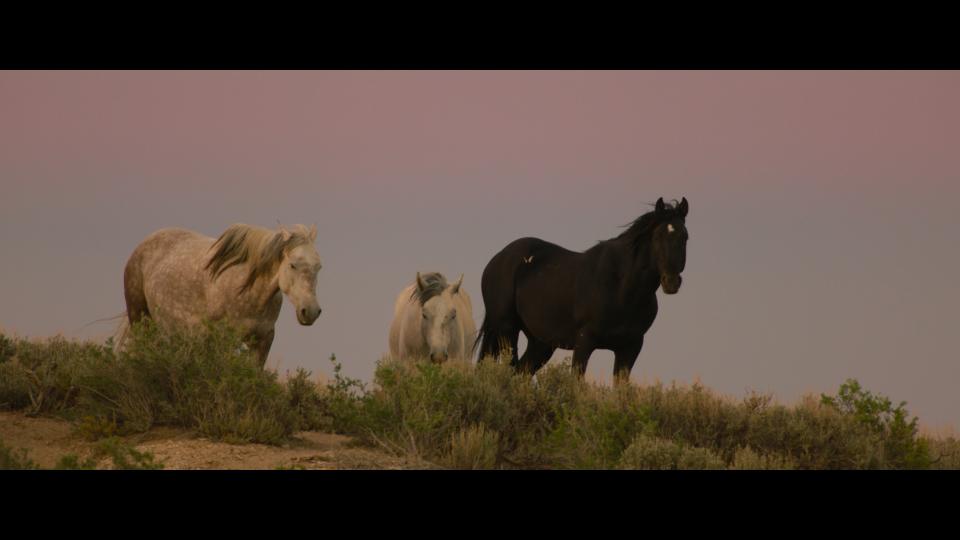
262 345
623 362
582 349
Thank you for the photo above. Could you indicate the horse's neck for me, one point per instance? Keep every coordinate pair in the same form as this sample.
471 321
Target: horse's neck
263 290
266 288
638 273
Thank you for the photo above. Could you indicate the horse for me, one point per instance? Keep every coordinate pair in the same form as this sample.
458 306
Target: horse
602 298
432 318
180 278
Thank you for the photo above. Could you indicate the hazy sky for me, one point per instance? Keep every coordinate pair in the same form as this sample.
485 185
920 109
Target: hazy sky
823 205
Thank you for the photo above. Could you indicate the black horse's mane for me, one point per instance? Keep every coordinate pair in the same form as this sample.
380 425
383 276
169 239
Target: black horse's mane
640 230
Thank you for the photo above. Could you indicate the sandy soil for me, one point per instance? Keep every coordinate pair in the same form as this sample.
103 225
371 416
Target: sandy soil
48 439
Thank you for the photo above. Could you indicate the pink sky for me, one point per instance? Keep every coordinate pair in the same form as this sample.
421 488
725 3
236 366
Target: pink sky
823 204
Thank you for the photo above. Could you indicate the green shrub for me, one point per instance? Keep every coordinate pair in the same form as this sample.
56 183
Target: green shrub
699 458
748 459
94 428
596 426
454 414
900 447
46 371
203 379
473 447
123 455
7 348
558 421
72 462
342 401
651 453
647 452
11 459
944 453
14 387
307 402
418 409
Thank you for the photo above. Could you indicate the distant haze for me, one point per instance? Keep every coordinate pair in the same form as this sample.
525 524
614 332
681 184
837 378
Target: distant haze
823 220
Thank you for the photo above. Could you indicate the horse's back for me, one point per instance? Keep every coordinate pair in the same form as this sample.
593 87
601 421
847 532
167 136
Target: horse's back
403 299
467 324
400 328
521 258
166 269
529 285
174 237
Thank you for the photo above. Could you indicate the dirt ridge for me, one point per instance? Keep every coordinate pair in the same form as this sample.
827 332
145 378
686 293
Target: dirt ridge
47 439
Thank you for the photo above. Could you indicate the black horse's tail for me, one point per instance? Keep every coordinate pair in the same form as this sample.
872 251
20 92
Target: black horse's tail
497 337
490 341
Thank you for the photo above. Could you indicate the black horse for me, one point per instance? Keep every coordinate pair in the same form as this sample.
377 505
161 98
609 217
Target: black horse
603 298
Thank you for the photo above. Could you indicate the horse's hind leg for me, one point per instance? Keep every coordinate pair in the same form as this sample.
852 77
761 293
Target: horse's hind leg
537 354
499 341
495 339
133 291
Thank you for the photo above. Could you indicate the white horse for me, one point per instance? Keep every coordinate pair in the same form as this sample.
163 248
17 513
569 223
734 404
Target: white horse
433 319
179 278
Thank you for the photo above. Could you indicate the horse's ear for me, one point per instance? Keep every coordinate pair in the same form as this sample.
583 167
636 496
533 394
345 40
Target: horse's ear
313 232
420 284
456 286
684 207
284 233
660 207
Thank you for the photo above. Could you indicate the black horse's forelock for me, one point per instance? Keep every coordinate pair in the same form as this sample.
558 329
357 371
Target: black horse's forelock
640 230
435 284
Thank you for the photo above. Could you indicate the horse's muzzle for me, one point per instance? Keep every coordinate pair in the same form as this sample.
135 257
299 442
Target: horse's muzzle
670 283
306 316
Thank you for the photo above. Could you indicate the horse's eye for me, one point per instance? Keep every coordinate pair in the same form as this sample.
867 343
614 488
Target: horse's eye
453 315
293 266
424 315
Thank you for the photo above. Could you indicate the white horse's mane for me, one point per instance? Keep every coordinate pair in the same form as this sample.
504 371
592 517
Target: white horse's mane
434 285
261 248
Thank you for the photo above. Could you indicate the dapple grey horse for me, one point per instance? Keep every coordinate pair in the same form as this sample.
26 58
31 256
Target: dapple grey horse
179 278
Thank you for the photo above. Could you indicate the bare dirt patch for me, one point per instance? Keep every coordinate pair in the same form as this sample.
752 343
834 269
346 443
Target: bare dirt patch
48 439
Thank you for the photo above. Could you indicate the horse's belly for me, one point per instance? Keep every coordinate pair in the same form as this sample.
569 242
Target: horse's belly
547 317
554 332
173 296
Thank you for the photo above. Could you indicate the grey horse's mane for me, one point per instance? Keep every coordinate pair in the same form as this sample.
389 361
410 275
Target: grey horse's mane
261 248
435 284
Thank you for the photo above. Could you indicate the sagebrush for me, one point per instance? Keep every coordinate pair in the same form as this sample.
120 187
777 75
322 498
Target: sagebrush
456 415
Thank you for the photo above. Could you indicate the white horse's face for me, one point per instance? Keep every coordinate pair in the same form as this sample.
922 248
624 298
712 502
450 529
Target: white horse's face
439 323
298 281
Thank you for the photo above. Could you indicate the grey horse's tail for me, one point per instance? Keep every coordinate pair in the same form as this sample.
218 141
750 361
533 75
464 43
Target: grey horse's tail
120 333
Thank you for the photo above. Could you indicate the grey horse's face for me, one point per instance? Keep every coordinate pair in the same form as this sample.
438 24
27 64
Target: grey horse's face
298 281
439 323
